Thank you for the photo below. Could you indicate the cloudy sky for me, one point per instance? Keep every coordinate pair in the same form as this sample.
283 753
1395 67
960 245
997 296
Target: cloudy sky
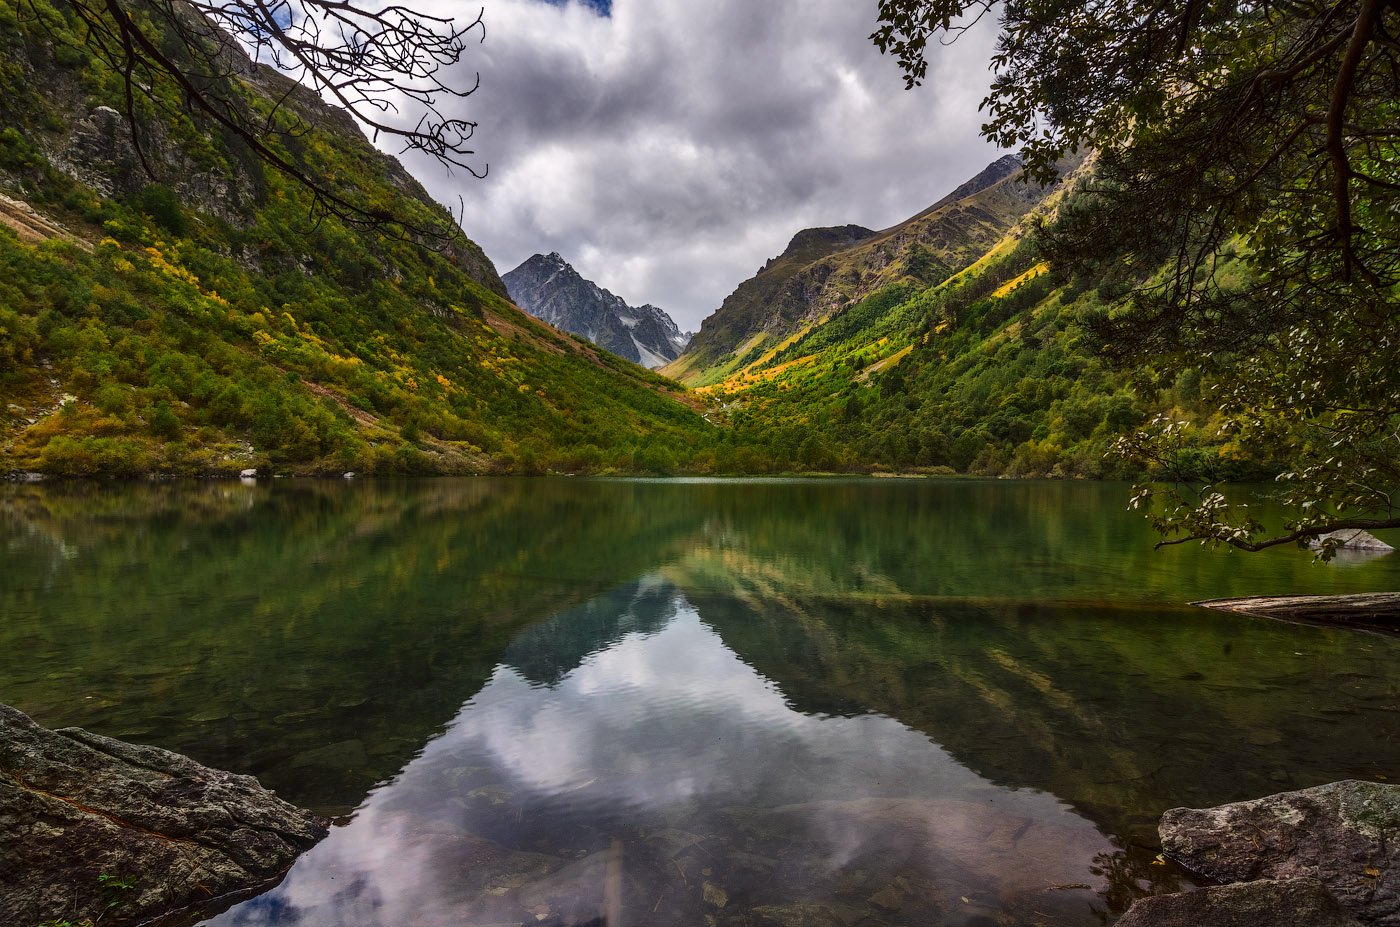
667 148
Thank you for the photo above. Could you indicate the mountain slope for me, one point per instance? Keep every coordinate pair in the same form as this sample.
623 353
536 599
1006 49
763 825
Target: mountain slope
825 271
548 288
987 372
202 320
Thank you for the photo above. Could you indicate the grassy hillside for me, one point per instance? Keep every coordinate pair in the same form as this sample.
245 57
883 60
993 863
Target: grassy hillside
987 372
200 320
824 272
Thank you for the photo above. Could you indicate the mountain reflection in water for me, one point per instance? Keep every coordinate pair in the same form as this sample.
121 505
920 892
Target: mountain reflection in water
852 701
662 780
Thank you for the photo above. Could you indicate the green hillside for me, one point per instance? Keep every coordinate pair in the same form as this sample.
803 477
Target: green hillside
824 272
988 372
203 320
206 320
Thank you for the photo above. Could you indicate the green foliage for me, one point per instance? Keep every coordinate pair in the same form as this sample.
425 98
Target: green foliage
989 373
188 343
162 206
116 888
1243 221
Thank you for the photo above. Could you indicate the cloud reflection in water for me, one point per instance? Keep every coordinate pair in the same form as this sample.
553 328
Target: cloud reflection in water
662 775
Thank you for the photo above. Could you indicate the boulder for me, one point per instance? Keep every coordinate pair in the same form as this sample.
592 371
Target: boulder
98 829
1352 539
1345 835
1265 903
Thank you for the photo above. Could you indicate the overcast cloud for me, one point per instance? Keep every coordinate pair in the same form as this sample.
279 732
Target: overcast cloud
668 149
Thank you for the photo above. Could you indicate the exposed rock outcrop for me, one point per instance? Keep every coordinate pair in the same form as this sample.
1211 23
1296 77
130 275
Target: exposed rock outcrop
92 828
1345 836
1266 903
30 225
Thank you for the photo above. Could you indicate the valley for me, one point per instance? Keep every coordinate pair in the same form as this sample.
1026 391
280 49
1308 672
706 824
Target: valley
998 553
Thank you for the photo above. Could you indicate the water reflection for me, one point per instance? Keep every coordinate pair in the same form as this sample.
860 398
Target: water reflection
663 779
819 690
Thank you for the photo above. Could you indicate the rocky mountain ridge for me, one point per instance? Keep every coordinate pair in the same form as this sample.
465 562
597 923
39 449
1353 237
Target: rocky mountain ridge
550 289
824 271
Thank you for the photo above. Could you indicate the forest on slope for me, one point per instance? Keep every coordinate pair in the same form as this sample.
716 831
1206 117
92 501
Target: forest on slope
986 370
206 320
198 313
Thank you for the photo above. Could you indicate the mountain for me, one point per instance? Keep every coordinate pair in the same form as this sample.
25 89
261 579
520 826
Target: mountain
548 288
824 271
988 371
202 317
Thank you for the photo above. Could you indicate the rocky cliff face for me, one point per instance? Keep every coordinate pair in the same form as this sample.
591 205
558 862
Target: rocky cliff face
92 144
547 287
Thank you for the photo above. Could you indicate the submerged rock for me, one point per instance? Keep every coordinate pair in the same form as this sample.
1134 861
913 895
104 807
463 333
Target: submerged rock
1265 903
1345 835
95 828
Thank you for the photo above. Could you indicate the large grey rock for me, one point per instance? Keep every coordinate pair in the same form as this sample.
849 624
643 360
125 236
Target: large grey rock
1266 903
1346 835
80 812
1352 539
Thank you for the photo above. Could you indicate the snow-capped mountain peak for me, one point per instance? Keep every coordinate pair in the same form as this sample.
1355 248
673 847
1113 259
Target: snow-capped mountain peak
548 287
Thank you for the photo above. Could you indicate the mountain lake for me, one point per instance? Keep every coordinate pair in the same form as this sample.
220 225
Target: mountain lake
682 702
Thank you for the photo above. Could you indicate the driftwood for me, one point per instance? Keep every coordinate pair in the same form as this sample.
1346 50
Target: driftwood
1377 611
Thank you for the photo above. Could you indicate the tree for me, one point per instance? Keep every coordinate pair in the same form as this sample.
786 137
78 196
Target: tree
373 60
1249 172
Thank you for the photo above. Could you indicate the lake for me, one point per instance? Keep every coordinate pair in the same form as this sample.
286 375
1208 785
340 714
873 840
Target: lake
769 702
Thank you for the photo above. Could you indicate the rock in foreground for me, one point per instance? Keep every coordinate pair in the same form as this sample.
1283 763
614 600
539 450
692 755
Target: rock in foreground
92 828
1345 835
1265 903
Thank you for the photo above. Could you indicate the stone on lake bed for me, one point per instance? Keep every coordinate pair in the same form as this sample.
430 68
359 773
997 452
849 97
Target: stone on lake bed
76 806
346 754
205 717
1265 903
1345 836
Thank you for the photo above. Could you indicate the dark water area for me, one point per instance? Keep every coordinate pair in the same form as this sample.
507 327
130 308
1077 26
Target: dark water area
558 701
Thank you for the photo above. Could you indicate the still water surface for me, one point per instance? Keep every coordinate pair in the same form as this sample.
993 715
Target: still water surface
665 702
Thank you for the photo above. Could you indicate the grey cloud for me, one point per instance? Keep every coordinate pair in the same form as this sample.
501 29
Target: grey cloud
668 150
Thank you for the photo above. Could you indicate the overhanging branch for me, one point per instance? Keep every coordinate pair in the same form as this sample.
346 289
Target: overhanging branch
1302 534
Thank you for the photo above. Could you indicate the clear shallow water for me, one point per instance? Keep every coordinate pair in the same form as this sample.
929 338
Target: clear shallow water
807 702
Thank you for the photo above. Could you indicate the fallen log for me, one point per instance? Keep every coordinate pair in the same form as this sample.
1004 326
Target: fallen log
1376 611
